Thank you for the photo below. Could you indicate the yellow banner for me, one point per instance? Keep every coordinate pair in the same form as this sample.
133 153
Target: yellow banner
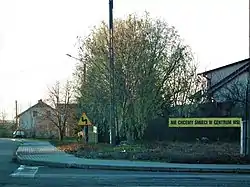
204 122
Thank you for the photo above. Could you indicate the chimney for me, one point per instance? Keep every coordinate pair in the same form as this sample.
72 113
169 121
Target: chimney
40 101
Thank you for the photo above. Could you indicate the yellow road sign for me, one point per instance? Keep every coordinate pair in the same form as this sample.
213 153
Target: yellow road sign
84 120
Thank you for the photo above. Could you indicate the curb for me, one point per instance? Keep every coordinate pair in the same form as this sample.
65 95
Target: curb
129 168
15 158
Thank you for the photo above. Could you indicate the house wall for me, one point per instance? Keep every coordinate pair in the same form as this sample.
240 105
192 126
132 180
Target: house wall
27 122
37 125
45 128
217 75
237 87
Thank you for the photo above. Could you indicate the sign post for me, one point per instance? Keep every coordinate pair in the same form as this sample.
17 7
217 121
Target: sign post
243 138
85 122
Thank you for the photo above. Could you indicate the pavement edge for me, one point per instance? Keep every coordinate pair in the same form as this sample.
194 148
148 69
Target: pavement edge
128 168
15 155
33 162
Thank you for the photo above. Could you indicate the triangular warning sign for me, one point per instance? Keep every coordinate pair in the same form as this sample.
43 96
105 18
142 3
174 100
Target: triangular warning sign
84 120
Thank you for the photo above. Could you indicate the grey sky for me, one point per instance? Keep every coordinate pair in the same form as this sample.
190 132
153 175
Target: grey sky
35 35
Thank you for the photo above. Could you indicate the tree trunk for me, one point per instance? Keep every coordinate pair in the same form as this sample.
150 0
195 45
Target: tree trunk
61 135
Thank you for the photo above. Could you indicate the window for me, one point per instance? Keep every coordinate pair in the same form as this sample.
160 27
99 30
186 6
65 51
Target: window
34 113
48 113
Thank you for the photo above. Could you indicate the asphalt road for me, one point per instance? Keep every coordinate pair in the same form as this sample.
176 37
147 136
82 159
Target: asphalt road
7 148
14 175
78 177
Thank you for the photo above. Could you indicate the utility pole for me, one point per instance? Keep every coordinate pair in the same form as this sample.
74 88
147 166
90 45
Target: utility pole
245 134
16 114
112 76
247 126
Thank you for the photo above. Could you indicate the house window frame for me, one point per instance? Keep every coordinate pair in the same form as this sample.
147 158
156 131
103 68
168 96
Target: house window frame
34 113
48 113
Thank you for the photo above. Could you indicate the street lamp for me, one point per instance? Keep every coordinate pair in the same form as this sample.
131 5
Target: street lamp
86 128
84 66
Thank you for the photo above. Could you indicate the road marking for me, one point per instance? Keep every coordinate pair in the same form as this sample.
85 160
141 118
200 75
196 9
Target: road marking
16 140
25 171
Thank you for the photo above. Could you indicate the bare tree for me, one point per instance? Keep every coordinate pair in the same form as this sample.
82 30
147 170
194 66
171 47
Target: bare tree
235 93
60 98
3 116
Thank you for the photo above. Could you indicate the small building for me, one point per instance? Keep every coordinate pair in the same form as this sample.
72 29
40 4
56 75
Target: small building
34 122
40 120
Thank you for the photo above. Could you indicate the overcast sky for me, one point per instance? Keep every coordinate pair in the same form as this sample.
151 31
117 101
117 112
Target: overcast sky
35 35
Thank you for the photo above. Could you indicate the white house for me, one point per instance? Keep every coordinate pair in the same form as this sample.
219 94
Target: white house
223 80
33 122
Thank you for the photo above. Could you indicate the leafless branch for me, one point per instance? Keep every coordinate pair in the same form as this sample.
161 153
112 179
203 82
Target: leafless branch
59 97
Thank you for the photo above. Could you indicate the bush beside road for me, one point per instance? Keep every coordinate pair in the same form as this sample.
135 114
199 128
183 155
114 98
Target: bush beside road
172 152
5 131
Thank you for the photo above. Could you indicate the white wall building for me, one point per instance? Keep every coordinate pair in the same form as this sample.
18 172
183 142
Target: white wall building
222 81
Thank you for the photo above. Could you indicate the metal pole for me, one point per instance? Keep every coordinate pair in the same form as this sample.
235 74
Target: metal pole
248 114
249 27
245 124
16 114
248 99
85 128
85 71
112 73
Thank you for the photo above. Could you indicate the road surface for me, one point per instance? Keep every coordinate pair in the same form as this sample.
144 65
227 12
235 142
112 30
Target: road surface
7 148
14 175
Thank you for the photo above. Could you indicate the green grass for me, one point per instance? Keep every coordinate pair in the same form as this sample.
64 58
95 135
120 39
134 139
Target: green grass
56 142
65 141
39 139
